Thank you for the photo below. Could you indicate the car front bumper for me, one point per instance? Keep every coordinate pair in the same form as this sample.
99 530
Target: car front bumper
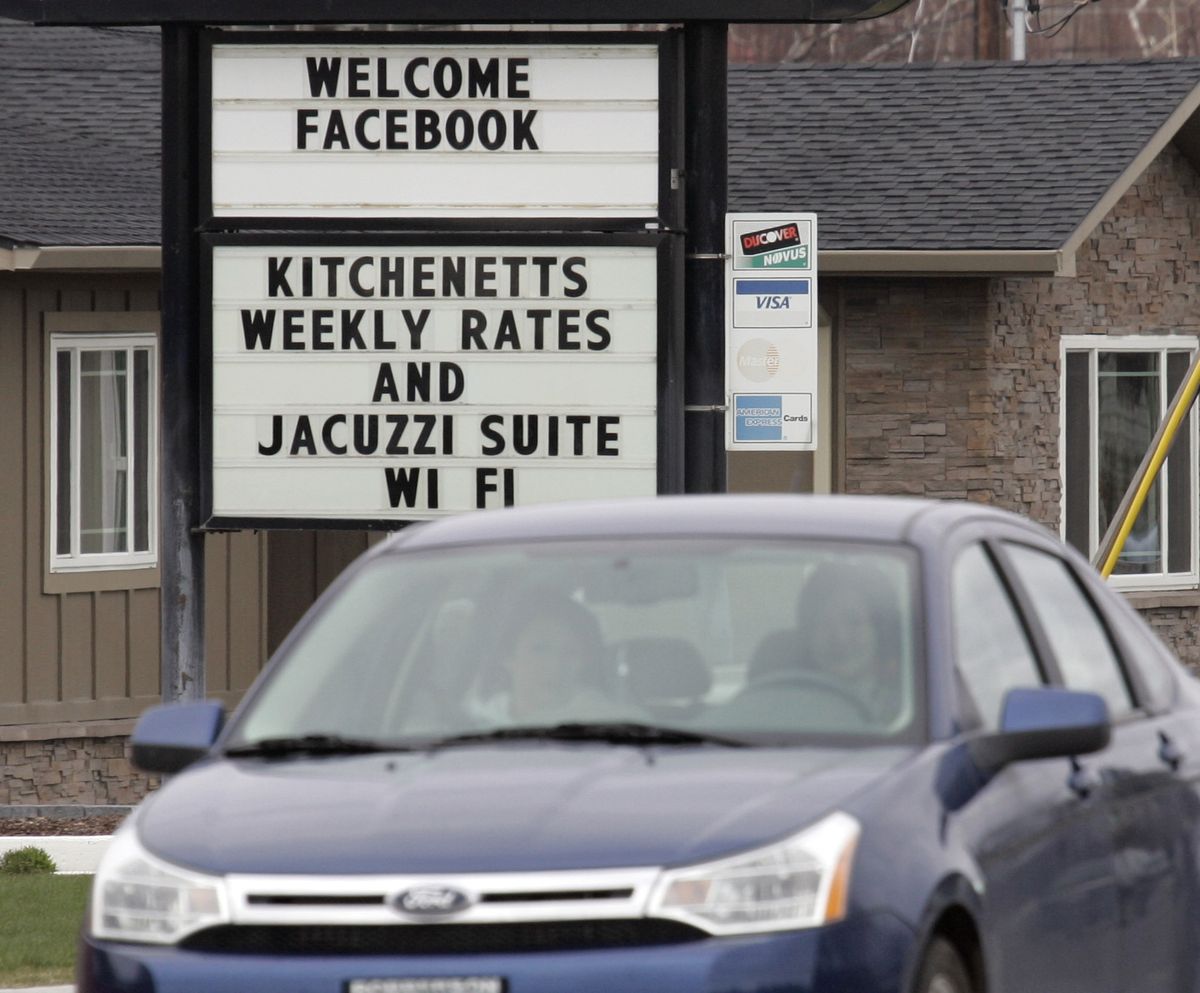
868 953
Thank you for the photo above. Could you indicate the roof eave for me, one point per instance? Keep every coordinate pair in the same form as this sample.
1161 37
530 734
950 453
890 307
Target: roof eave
148 258
982 262
94 258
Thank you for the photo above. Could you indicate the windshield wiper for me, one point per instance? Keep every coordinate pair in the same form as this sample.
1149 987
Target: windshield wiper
309 744
616 733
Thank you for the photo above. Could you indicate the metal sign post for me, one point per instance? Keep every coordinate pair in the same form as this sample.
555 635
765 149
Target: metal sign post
705 178
182 543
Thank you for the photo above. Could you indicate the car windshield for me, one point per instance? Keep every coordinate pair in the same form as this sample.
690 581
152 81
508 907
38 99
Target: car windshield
741 641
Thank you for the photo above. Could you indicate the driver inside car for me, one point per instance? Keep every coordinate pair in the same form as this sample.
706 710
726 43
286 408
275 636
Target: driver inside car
846 629
550 665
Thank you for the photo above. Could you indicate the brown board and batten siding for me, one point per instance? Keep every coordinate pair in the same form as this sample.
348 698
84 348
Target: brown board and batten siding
82 648
311 560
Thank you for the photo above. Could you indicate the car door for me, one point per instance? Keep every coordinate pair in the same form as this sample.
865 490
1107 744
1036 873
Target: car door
1171 703
1042 840
1146 773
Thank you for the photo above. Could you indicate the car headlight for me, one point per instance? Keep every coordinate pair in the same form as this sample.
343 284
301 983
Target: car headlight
797 883
138 897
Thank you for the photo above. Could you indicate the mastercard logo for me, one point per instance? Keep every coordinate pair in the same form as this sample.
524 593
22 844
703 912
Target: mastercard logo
758 360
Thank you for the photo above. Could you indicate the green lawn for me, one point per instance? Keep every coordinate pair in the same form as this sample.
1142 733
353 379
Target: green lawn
39 919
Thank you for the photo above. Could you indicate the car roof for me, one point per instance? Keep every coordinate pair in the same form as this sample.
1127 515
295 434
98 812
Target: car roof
866 518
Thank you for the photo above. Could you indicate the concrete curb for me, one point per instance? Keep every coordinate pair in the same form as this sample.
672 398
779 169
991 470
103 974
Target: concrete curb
62 811
73 854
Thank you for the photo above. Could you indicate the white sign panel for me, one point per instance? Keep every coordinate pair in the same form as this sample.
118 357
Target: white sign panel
771 331
374 382
435 130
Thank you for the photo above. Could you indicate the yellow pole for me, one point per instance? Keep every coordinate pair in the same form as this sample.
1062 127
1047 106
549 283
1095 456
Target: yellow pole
1139 487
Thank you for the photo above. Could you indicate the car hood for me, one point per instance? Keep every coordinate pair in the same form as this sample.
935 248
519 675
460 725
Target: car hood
514 807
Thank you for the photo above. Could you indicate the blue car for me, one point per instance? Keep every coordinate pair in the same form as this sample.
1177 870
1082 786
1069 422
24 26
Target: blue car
684 745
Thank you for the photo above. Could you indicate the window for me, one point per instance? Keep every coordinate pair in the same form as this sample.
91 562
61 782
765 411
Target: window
102 451
1077 637
661 630
1115 393
992 652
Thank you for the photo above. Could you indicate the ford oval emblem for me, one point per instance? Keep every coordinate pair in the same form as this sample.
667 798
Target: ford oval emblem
432 901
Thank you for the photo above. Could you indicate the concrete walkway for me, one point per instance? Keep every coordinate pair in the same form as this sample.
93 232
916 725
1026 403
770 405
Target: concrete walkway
71 853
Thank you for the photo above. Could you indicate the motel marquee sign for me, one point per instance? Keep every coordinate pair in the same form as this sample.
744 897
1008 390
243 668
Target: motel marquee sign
438 275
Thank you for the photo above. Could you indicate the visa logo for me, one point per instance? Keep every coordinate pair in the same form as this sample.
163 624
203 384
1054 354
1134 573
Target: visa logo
773 303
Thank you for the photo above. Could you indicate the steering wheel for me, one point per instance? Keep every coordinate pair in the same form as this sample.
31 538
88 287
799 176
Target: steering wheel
808 680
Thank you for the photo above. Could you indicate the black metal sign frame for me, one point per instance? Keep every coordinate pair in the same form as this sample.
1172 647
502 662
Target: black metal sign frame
692 458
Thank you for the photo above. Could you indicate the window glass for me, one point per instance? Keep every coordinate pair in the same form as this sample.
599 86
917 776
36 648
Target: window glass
992 652
1178 478
1129 412
1081 645
141 446
785 639
102 453
1077 413
1154 665
62 441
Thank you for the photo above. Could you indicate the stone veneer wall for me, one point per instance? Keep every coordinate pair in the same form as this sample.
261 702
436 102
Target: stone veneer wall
69 770
951 386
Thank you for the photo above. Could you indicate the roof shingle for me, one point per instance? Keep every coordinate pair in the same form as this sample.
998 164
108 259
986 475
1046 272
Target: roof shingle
79 136
979 156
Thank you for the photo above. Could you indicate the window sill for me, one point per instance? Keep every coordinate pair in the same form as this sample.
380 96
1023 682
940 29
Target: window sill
1149 599
101 580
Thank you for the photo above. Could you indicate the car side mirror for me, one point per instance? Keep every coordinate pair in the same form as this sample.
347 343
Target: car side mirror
1042 723
170 737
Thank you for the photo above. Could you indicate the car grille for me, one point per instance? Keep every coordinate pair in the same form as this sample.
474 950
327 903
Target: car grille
438 939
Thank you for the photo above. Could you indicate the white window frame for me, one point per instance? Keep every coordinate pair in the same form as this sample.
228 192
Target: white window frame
77 561
1094 344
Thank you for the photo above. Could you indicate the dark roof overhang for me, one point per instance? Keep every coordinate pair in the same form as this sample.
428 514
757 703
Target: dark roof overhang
226 12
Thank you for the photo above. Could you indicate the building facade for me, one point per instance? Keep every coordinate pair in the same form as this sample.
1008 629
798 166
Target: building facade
1011 264
955 388
1010 261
